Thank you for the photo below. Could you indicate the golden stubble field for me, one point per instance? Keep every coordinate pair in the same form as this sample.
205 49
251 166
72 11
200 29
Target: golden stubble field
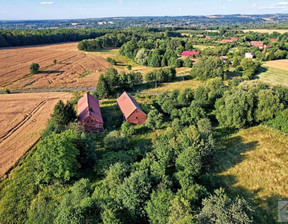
267 31
23 117
73 68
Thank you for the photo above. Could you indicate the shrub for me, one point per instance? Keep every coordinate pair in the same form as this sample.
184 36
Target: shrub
116 140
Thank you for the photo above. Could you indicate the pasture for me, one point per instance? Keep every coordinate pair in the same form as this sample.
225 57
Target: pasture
274 73
67 72
252 164
23 117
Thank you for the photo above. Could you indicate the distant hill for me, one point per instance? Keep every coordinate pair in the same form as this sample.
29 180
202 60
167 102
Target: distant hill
165 21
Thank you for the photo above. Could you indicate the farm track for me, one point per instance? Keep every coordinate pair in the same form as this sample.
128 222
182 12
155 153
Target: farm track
22 122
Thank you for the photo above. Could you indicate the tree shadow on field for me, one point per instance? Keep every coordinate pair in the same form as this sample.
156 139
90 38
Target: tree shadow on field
229 152
259 72
51 72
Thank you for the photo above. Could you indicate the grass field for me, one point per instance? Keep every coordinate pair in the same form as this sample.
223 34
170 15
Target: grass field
23 117
67 72
253 164
203 47
266 31
274 73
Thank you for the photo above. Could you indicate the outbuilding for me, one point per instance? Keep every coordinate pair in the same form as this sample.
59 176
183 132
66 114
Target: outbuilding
89 114
131 110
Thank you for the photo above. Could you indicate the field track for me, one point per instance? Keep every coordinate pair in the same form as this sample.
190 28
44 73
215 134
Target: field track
23 117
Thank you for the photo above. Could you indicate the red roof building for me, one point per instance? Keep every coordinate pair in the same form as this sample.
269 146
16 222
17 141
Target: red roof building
208 37
89 114
259 44
234 38
273 40
131 110
227 41
189 53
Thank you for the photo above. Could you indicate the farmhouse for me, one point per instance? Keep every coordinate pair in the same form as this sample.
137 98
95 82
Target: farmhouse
89 114
249 55
189 53
131 110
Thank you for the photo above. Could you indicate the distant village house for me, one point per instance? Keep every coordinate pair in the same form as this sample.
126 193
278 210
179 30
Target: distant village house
259 44
190 53
131 110
89 114
249 55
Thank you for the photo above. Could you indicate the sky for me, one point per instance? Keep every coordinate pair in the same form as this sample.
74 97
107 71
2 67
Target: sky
72 9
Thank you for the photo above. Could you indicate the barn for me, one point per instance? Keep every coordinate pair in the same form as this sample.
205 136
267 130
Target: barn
89 114
131 110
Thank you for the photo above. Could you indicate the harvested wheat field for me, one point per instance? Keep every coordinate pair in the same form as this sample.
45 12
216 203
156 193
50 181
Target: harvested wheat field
266 31
280 64
73 68
22 118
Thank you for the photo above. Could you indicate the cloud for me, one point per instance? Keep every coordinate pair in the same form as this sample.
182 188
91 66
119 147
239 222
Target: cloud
120 1
278 5
46 3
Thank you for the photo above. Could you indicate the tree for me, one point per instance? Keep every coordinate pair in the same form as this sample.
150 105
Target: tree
63 114
154 119
102 89
116 140
34 68
134 192
206 68
78 206
127 129
55 61
268 105
142 56
219 208
158 206
56 158
187 63
180 212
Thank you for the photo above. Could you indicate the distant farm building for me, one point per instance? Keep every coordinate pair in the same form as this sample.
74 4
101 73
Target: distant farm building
89 114
190 53
208 37
249 55
273 40
131 110
233 39
259 44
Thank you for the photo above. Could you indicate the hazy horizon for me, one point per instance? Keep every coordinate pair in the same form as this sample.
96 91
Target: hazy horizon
64 9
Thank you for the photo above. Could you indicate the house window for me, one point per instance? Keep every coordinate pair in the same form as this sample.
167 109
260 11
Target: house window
136 118
97 125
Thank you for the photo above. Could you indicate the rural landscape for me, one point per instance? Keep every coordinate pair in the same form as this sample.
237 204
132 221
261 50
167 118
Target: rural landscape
144 119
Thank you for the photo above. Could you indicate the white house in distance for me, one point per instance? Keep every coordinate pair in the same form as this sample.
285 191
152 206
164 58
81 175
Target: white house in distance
249 55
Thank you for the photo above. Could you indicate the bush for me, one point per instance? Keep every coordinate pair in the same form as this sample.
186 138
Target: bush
34 68
116 140
127 129
7 91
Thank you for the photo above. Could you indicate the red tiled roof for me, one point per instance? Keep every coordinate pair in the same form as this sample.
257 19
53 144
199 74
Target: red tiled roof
273 40
227 41
208 37
257 43
188 53
127 104
89 106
